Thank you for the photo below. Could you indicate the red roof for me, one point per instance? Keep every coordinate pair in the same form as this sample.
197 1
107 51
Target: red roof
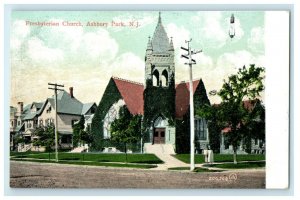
132 94
183 97
226 130
249 105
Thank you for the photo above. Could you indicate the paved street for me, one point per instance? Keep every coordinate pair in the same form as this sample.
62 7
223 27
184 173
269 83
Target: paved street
38 175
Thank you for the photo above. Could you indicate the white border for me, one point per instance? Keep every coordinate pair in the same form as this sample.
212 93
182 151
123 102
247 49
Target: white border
277 99
295 137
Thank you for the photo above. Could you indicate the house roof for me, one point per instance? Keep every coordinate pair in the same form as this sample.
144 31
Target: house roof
29 116
38 105
182 100
66 104
132 94
86 107
13 110
26 111
248 104
18 128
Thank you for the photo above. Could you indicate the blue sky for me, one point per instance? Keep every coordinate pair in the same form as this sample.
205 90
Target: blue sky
86 57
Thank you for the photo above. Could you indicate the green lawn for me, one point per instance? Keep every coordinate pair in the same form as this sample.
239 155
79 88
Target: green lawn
94 157
243 165
91 163
221 157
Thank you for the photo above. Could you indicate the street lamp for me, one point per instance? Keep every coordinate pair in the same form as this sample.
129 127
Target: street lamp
232 28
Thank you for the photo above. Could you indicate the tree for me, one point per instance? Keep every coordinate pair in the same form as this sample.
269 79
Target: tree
17 139
246 84
126 129
78 132
255 124
210 113
45 136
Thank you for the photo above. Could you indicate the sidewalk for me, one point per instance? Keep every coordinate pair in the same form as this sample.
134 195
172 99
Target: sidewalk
171 162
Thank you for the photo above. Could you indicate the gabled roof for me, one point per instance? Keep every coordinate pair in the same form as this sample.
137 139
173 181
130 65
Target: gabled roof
18 128
29 116
13 110
38 105
26 111
66 104
183 97
86 107
132 94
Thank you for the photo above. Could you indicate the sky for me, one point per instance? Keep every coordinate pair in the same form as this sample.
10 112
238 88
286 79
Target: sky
85 57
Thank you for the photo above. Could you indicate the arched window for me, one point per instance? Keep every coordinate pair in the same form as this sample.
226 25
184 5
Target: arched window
155 78
201 128
164 78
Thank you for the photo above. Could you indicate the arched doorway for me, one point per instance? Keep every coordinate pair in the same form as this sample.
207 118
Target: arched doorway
159 132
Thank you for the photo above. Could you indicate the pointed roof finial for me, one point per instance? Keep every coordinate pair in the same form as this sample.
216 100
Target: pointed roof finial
159 17
171 47
149 45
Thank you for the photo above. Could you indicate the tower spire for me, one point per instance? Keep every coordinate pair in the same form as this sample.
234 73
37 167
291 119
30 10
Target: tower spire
159 17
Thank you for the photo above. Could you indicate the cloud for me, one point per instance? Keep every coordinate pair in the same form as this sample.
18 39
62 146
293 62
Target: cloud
99 45
178 33
256 40
62 46
128 66
66 55
236 59
19 31
213 73
39 53
214 28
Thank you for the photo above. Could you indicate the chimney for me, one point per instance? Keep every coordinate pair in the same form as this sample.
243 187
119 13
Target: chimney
71 92
20 108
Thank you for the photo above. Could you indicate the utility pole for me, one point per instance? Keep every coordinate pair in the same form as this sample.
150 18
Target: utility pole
142 135
192 126
56 87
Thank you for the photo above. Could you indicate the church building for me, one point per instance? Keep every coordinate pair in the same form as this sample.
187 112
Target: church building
163 105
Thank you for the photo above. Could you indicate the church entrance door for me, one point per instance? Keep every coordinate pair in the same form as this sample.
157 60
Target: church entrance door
159 136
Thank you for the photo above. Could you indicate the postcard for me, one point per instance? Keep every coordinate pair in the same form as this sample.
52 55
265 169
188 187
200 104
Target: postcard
147 99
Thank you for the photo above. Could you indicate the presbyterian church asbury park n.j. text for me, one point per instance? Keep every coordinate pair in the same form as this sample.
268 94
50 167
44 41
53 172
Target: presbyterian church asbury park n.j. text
164 105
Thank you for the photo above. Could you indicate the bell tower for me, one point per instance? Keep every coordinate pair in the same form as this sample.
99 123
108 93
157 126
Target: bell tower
159 58
159 92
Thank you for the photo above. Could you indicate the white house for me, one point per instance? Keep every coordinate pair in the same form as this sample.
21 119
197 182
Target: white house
69 110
